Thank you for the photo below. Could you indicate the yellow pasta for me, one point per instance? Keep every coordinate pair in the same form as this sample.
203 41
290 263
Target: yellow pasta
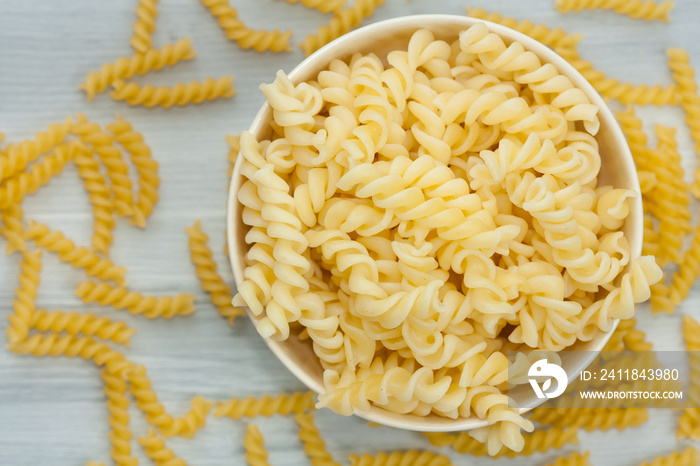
688 271
13 228
205 268
689 421
157 451
146 167
647 10
314 446
254 445
401 458
684 75
651 237
575 459
194 92
688 457
85 323
71 346
343 22
23 306
100 197
324 6
283 404
137 64
145 25
591 419
15 188
134 302
117 405
18 156
147 401
94 463
538 441
235 30
78 257
117 170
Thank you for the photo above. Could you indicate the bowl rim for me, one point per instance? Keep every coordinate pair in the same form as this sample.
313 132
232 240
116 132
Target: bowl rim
332 50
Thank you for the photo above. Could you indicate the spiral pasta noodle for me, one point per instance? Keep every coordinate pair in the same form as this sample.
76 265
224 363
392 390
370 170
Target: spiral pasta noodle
194 92
689 421
401 458
78 257
684 76
135 303
145 25
314 446
15 188
117 405
87 324
343 22
254 445
235 30
205 268
117 171
100 197
638 9
18 156
324 6
575 459
146 167
283 404
157 450
688 271
688 457
13 228
24 305
169 426
591 419
138 64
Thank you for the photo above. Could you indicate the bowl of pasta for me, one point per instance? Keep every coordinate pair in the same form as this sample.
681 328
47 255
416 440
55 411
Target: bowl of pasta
417 199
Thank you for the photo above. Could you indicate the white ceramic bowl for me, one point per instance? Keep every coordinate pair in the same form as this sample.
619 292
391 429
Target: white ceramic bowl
617 169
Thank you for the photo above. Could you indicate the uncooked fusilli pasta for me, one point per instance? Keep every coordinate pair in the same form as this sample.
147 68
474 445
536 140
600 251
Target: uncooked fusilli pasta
134 302
689 421
145 25
86 323
194 92
591 419
314 446
117 405
140 63
13 228
254 445
575 459
283 404
688 457
401 458
324 6
23 306
639 9
157 450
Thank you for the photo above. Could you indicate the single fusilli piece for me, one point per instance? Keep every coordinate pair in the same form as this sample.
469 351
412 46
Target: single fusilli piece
591 419
23 306
134 302
688 457
138 64
538 441
147 401
401 458
254 445
236 30
88 324
324 6
146 167
689 421
100 197
157 450
194 92
144 26
343 22
117 170
575 459
647 10
71 346
284 404
18 156
117 405
688 271
78 257
554 38
314 446
15 188
205 268
13 228
684 75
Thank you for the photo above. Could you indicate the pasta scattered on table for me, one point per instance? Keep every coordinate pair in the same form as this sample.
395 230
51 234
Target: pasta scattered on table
254 445
194 92
647 10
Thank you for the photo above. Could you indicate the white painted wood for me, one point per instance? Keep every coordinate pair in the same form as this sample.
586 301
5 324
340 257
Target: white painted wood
52 411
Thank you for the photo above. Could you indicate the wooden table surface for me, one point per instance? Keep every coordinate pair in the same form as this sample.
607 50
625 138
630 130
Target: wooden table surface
52 410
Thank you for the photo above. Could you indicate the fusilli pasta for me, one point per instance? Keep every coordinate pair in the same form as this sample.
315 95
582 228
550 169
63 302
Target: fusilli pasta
138 64
283 404
194 92
688 457
254 445
24 304
134 302
88 324
401 458
145 25
324 6
157 450
647 10
689 421
13 228
117 405
314 446
575 459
